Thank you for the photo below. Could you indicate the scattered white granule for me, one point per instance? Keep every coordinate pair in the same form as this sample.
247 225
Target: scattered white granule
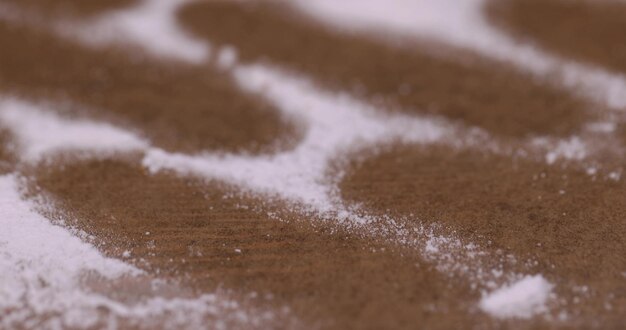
592 171
522 299
615 176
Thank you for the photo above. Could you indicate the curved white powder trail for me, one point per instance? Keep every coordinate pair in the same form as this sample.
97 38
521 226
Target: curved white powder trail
335 124
462 23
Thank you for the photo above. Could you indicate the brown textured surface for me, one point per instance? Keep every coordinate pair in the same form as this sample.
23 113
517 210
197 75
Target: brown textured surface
478 92
586 30
329 279
179 107
7 156
71 8
571 223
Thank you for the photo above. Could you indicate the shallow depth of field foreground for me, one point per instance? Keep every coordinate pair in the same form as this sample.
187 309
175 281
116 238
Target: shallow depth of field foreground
312 164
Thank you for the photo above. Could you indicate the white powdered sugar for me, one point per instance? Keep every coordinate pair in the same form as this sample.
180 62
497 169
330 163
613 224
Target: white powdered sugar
521 299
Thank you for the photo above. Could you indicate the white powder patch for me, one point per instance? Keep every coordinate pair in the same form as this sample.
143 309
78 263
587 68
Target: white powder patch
522 299
461 23
150 25
39 132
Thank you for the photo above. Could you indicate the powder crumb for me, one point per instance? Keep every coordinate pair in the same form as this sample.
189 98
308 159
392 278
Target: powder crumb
522 299
615 176
227 57
592 171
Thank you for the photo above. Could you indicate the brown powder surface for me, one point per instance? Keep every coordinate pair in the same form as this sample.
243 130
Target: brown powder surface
588 31
7 155
570 223
179 107
475 91
195 232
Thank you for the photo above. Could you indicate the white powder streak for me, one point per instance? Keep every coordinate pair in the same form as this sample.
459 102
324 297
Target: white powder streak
149 25
461 23
522 299
39 133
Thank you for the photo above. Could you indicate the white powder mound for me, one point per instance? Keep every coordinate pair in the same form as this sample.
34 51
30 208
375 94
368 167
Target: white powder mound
461 23
149 25
41 132
522 299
